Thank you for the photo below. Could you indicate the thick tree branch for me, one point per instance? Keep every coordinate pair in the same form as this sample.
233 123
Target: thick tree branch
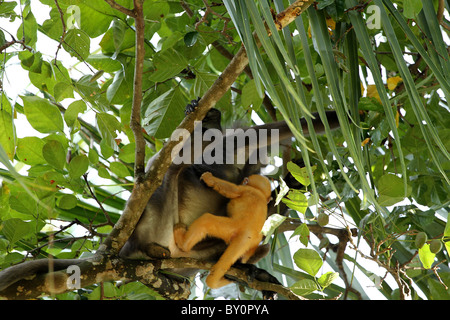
148 272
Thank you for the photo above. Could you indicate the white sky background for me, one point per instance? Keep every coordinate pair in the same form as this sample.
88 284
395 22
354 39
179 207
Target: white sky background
16 82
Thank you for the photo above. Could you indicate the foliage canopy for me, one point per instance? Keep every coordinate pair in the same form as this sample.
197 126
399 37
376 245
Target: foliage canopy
382 64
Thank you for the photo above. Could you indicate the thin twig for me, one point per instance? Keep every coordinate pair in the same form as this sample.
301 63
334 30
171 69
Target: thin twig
135 123
108 219
120 8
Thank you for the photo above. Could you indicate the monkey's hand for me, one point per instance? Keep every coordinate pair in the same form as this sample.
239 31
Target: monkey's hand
179 232
208 178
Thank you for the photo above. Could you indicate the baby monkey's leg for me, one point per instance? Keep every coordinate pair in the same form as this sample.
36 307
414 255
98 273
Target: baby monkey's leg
207 225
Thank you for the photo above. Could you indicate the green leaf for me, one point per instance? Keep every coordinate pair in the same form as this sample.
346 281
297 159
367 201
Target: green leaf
55 154
77 43
29 150
411 8
67 202
308 260
78 166
165 113
104 173
250 95
390 189
327 278
190 38
127 153
62 90
168 64
16 229
426 256
108 125
304 287
296 200
119 169
303 232
42 115
105 63
300 174
71 114
7 134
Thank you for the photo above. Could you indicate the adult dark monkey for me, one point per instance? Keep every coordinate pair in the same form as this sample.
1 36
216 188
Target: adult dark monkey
181 198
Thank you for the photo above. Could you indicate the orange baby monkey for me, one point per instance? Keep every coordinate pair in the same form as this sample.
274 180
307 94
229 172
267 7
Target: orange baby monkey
241 229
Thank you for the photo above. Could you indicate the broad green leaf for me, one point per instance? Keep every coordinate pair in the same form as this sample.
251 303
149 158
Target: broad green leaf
77 43
16 229
296 200
29 150
300 174
121 88
250 95
62 90
78 166
42 115
119 169
168 64
71 114
67 202
303 232
127 153
390 189
304 287
165 113
308 260
426 256
108 125
55 154
7 134
411 8
28 29
104 173
190 38
95 16
103 62
327 278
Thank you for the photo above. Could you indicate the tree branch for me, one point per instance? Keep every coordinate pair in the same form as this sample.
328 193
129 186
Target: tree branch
120 8
148 272
135 124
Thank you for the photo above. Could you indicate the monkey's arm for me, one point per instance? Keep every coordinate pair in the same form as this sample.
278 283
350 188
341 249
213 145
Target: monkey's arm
225 188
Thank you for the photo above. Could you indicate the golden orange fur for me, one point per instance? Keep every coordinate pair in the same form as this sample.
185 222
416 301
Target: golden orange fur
241 229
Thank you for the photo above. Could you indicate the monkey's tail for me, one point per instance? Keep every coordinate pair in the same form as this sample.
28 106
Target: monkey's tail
27 269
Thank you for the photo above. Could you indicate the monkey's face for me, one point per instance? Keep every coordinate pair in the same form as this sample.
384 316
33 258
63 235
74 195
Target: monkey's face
261 183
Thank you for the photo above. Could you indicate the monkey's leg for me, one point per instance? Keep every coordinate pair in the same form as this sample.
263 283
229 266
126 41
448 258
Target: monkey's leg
225 188
207 225
237 247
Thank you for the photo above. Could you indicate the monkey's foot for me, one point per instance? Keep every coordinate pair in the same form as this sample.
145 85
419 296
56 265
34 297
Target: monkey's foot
155 250
190 107
179 231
